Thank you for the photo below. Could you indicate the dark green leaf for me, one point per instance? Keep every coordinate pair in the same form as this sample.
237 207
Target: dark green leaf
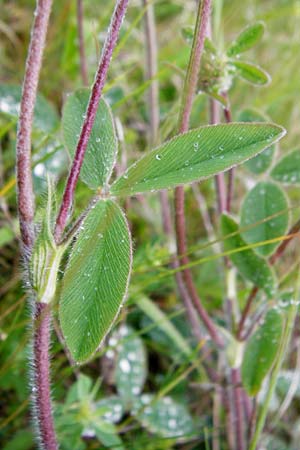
196 155
246 39
264 201
45 117
261 351
102 148
287 170
95 280
249 265
261 162
251 73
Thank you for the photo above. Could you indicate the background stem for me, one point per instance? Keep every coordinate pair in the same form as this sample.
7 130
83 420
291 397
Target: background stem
83 65
101 75
189 90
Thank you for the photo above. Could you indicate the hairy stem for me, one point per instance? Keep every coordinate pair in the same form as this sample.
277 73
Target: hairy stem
23 148
110 43
189 89
83 65
41 377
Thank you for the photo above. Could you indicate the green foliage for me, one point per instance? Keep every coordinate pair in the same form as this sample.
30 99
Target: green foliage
261 351
102 148
260 163
161 320
264 215
95 279
251 72
131 365
246 39
196 155
164 416
84 416
45 116
248 264
287 170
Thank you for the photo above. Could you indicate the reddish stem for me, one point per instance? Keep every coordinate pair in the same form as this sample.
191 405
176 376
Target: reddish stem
110 43
238 407
23 147
189 90
83 65
41 378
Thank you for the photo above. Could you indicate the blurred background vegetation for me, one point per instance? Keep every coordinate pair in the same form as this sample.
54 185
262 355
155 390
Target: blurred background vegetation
167 369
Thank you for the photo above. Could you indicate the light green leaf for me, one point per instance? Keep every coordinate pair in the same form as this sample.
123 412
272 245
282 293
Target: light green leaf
161 320
108 435
81 390
110 409
95 280
261 351
287 170
131 364
164 416
196 155
261 162
45 117
249 265
246 39
264 201
102 148
250 72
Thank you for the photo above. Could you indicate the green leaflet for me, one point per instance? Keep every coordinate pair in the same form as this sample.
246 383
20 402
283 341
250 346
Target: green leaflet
196 155
45 117
95 280
250 72
131 365
265 200
110 409
261 162
246 39
102 147
260 352
163 416
287 170
249 265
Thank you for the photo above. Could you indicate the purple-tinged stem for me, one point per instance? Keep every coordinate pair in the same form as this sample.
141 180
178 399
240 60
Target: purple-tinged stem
83 65
110 43
189 90
41 377
23 148
219 179
238 407
26 207
151 71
